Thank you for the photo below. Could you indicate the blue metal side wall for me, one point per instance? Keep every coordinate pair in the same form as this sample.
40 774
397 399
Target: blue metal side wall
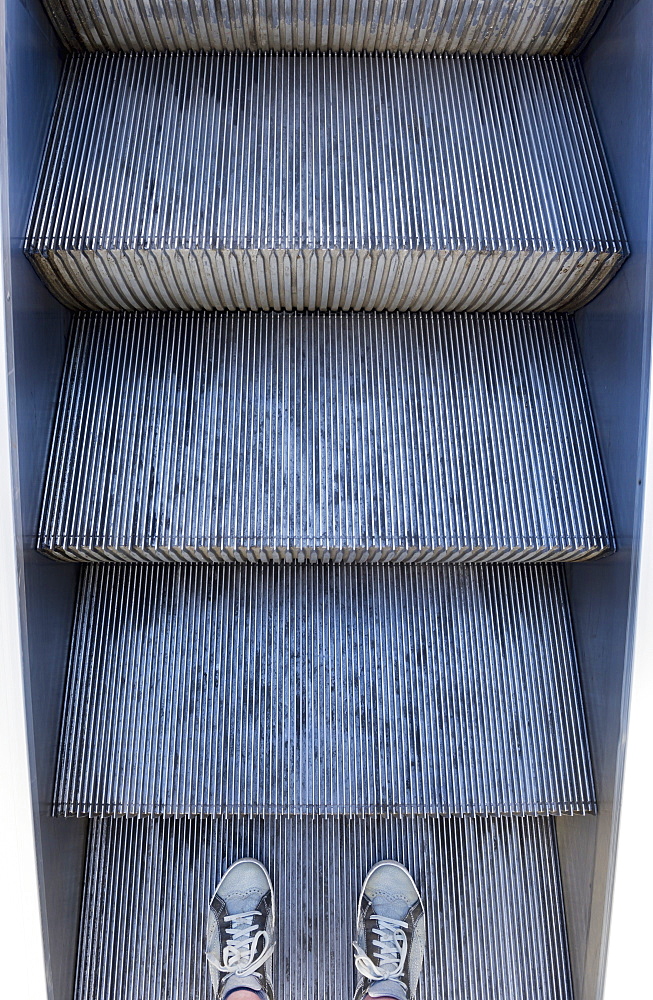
40 325
614 333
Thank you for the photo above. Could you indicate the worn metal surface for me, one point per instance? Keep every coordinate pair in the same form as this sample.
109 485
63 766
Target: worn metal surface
324 181
546 26
491 888
350 437
339 689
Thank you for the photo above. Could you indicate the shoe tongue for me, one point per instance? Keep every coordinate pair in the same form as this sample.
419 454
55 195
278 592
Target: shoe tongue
387 988
390 907
244 901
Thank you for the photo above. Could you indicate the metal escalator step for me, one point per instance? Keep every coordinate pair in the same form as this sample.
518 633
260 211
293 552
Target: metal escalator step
273 437
547 26
213 181
323 689
491 888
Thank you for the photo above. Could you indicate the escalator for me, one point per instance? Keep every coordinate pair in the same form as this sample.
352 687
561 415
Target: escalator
325 537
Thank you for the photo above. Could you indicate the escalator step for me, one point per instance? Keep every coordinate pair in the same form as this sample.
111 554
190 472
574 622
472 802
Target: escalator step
491 889
548 26
323 689
272 437
313 181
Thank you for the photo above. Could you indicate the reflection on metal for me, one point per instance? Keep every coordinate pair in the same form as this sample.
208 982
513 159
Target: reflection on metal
324 181
491 888
519 26
261 690
324 437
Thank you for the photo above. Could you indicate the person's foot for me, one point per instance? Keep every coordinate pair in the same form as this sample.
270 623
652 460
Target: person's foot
240 931
391 934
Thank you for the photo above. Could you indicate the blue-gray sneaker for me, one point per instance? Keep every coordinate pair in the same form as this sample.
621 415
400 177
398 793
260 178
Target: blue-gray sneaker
391 934
240 934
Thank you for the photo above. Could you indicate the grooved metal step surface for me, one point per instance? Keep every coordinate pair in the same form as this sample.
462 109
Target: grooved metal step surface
546 26
312 181
313 689
492 896
209 437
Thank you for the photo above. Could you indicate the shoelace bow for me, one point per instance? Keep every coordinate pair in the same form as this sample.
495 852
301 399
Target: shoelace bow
239 956
389 951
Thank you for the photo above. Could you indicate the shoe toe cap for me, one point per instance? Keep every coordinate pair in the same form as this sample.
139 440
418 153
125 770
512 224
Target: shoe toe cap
243 886
390 883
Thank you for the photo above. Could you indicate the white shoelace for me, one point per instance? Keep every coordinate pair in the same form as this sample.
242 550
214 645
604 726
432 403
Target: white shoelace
389 951
239 957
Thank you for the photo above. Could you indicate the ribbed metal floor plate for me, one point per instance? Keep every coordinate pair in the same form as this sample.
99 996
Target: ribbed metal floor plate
324 437
202 181
339 689
492 896
547 26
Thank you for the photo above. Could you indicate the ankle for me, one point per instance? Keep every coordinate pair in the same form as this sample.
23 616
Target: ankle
242 994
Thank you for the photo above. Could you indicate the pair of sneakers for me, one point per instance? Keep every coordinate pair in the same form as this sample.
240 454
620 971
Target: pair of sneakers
388 952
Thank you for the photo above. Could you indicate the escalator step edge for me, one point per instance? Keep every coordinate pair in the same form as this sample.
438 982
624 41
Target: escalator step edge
310 690
315 181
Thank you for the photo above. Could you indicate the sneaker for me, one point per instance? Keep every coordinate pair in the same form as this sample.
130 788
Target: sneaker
240 931
391 934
